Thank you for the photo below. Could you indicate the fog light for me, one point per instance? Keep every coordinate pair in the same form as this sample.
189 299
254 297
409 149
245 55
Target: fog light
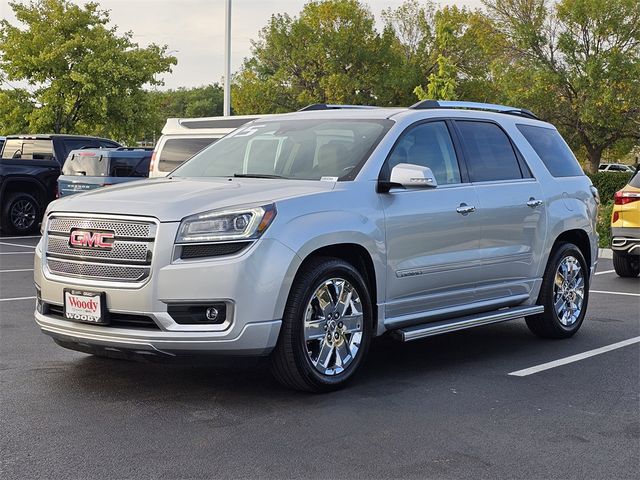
211 314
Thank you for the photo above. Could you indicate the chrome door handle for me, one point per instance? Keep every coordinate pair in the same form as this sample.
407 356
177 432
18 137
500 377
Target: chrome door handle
465 209
533 203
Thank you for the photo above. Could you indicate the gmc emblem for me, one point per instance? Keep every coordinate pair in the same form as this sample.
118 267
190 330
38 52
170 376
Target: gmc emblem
87 239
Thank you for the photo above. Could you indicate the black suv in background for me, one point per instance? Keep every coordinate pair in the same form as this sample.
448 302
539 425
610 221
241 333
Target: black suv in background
29 170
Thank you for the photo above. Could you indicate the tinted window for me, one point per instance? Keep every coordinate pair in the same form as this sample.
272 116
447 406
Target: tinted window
75 144
178 150
635 181
553 151
129 166
28 149
429 145
490 155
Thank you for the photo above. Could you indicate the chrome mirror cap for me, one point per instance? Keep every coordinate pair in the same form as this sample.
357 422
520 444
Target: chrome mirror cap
413 176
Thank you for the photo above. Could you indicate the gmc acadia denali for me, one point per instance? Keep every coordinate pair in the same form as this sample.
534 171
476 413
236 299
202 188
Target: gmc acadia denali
305 235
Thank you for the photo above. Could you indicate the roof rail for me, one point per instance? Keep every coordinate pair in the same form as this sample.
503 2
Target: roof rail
327 106
490 107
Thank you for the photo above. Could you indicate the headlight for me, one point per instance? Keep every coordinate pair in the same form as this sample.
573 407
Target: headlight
217 225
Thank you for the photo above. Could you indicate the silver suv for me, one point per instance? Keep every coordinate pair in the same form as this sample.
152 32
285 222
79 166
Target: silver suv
305 235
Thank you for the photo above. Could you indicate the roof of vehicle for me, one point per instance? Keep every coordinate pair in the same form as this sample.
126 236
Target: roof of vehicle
108 152
206 125
49 136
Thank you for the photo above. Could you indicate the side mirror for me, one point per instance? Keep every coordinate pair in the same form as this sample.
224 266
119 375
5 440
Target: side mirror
409 175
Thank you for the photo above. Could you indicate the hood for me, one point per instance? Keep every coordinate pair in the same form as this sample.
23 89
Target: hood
172 199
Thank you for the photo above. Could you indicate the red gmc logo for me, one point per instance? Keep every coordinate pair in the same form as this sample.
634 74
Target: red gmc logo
86 239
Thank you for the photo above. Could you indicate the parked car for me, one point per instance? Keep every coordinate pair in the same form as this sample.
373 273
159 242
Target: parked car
87 169
29 170
616 167
182 138
625 229
303 236
2 140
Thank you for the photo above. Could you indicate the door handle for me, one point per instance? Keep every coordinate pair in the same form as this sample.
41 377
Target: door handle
465 209
533 203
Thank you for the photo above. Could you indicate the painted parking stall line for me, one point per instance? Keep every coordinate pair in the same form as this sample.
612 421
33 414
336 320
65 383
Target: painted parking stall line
19 238
606 271
16 253
15 299
17 245
574 358
17 270
615 293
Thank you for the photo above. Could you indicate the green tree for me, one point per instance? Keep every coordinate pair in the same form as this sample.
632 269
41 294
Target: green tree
577 63
330 53
15 108
86 77
441 83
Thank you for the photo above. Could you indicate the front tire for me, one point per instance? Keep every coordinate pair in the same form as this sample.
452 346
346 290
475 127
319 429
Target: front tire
564 294
626 265
20 214
326 328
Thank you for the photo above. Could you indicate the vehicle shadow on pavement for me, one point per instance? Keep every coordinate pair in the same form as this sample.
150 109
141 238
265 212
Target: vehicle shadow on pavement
395 365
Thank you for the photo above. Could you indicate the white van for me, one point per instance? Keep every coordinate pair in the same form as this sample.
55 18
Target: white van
182 138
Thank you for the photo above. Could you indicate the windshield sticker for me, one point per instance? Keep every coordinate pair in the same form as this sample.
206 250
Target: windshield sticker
328 179
248 131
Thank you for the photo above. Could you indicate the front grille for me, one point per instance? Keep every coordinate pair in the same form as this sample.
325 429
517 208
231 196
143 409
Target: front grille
128 259
121 228
119 320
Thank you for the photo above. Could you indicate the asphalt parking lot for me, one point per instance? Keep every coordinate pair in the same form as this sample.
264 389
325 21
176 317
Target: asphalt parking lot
443 407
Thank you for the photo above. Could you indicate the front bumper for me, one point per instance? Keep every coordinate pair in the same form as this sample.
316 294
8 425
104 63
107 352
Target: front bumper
254 284
625 240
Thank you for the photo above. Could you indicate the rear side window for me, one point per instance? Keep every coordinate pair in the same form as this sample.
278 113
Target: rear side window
635 181
552 150
28 149
490 155
129 166
178 150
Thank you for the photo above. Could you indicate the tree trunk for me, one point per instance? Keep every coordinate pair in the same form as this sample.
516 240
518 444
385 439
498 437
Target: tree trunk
595 155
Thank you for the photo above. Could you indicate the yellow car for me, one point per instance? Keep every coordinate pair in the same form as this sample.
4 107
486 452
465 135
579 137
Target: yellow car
625 229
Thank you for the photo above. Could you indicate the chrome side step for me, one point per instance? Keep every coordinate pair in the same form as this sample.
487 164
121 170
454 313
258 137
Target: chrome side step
461 323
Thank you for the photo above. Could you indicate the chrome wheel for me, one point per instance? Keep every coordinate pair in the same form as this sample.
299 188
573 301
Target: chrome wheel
333 326
23 215
568 291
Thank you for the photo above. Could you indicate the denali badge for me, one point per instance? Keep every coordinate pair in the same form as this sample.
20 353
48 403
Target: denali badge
87 239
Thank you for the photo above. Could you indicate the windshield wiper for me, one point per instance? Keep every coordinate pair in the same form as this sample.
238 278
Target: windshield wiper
256 175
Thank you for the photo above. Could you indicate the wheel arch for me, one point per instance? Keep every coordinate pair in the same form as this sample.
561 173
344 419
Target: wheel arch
24 185
580 239
354 253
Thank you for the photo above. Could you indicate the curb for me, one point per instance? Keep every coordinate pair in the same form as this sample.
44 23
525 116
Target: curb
605 253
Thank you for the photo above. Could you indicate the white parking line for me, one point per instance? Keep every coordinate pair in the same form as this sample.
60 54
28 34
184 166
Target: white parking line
616 293
574 358
17 270
16 253
15 299
16 245
606 271
19 238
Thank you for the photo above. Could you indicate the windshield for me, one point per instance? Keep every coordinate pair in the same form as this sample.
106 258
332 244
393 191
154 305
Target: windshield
293 149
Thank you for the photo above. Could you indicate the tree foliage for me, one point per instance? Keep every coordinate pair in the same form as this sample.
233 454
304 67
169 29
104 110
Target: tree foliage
330 53
86 78
577 63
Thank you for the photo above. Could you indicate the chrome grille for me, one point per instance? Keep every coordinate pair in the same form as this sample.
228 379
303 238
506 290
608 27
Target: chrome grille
122 250
128 260
97 270
120 228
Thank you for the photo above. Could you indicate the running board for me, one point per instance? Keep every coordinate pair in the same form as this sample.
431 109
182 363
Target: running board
436 328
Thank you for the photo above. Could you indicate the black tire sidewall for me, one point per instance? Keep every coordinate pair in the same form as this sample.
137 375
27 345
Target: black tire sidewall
330 269
563 251
7 223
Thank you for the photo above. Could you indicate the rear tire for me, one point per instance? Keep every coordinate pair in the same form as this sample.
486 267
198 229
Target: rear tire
626 265
20 214
564 294
326 327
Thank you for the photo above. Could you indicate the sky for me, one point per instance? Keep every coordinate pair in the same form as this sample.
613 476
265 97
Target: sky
193 30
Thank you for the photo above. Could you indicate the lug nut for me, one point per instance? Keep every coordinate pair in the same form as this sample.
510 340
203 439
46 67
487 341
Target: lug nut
340 324
325 327
336 335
